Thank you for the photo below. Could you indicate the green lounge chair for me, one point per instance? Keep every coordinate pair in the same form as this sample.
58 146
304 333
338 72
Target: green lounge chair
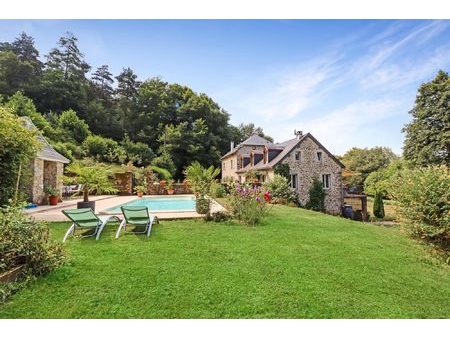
86 219
139 217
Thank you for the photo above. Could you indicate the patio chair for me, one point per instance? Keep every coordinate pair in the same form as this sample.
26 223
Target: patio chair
86 219
138 217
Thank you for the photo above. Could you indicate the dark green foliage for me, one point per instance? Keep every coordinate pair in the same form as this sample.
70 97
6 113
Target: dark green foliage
18 146
172 120
137 152
378 206
104 149
280 190
316 196
218 216
161 173
165 161
427 136
24 241
360 162
74 127
247 130
202 205
423 196
282 169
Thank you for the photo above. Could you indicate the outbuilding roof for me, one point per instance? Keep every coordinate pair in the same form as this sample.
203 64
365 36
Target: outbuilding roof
47 152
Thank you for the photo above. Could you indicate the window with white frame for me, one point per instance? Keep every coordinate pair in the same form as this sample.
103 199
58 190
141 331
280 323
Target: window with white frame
326 181
319 156
298 155
294 181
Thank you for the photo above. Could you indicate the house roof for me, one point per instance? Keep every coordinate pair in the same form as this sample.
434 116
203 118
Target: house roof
253 140
47 152
287 147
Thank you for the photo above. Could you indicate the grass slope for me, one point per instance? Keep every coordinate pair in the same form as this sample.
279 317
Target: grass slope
299 264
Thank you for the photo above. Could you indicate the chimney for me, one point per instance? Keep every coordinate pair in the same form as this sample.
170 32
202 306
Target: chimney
298 134
231 145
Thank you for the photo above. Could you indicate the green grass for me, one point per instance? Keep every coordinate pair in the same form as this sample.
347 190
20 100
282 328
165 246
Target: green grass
299 264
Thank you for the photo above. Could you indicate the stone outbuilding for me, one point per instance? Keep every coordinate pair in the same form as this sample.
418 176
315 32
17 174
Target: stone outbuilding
47 168
305 156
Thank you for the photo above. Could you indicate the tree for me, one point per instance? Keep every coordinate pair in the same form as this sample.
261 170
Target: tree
18 146
14 74
316 196
73 126
378 206
360 162
427 136
68 58
379 181
247 130
103 81
22 72
422 195
24 106
165 161
94 177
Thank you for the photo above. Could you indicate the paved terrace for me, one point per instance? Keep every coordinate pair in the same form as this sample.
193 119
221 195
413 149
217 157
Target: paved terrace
53 213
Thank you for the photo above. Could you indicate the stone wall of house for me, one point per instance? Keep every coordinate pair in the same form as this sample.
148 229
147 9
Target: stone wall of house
309 167
37 186
124 183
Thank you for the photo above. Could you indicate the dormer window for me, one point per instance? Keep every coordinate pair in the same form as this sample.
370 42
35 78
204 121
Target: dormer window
319 156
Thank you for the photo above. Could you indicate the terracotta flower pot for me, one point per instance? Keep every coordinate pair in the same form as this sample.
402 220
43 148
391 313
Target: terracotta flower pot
140 193
53 200
170 191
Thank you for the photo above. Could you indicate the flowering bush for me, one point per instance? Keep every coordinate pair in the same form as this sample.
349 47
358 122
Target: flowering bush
281 192
248 203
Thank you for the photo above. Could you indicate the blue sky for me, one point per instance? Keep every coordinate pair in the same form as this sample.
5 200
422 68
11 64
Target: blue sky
348 82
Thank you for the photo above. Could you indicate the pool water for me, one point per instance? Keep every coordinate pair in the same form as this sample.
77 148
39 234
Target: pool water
185 203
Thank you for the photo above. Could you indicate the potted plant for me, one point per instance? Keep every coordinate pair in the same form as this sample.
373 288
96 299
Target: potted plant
200 180
139 190
52 193
169 187
94 177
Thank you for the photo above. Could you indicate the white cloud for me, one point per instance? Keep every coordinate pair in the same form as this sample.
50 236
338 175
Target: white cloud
337 130
378 84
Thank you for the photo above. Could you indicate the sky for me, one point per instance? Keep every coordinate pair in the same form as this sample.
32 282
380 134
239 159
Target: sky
350 83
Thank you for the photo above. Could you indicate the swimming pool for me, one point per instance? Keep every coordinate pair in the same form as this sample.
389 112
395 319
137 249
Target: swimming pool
168 203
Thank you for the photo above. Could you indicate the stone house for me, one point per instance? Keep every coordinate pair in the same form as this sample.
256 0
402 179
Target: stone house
47 168
305 156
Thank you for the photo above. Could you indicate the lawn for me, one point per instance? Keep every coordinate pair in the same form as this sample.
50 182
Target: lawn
299 264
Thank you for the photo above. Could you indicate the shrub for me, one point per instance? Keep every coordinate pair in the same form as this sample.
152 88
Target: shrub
164 160
161 173
282 169
248 204
103 149
379 180
378 206
423 196
24 241
18 146
281 191
75 127
95 177
217 190
137 152
316 196
218 216
202 205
